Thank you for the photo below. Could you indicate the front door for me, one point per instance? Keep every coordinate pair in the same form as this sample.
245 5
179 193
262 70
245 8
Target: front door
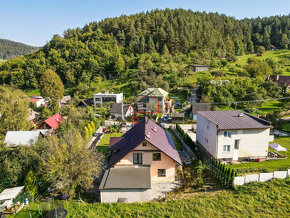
236 150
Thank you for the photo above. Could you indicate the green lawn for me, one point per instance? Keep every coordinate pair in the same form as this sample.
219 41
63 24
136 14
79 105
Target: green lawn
286 127
269 199
270 106
103 146
267 166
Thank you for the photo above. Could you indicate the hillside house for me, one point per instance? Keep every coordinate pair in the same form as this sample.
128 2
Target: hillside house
144 155
153 100
101 98
38 101
232 135
116 111
197 68
52 122
282 81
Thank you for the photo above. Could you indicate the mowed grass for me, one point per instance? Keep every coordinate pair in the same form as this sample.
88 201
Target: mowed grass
267 166
269 199
286 127
270 106
103 145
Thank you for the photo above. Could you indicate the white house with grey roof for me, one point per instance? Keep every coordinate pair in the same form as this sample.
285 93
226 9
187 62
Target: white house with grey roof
232 135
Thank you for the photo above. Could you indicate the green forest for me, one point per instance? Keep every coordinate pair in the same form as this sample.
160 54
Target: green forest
10 49
158 44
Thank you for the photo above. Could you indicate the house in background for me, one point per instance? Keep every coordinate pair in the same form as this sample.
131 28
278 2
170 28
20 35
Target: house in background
86 102
143 156
232 135
65 101
32 115
101 98
52 122
282 81
195 107
153 97
16 138
197 68
37 100
116 111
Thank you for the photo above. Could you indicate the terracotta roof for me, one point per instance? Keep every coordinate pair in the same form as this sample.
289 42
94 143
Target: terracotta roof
54 121
280 80
232 120
159 138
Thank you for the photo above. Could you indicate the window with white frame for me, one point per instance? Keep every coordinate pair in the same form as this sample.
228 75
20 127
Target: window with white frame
227 148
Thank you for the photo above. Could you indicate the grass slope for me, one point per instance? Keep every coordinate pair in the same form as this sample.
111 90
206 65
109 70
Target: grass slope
267 166
270 199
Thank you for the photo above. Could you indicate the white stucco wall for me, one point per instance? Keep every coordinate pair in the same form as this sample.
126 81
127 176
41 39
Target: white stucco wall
206 133
253 143
132 195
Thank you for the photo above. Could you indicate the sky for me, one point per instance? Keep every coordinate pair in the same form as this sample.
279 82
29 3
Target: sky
34 22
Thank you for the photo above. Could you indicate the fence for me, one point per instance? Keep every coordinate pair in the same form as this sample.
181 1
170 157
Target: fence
262 177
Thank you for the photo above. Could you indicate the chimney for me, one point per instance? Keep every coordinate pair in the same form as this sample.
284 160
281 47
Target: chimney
277 77
240 114
154 129
148 135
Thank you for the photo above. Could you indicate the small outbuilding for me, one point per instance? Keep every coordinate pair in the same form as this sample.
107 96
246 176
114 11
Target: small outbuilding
197 68
15 138
12 200
177 117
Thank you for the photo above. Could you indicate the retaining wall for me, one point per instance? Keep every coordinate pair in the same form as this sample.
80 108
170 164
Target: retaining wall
262 177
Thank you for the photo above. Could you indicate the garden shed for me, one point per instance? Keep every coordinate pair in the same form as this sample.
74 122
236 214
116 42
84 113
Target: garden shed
12 200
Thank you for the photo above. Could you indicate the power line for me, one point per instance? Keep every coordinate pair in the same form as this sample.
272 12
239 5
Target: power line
237 102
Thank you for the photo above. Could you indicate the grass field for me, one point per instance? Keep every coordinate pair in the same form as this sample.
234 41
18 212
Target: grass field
270 106
270 199
267 166
286 127
103 146
177 143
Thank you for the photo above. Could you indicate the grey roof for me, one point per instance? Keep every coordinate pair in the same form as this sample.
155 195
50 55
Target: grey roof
126 178
231 120
21 137
154 92
10 193
117 108
200 107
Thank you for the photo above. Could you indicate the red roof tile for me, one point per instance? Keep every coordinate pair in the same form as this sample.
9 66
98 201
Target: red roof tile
54 121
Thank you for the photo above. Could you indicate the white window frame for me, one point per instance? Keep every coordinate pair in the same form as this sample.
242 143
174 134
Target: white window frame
226 148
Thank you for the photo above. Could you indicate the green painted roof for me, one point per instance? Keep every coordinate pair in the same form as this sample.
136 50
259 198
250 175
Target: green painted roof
155 92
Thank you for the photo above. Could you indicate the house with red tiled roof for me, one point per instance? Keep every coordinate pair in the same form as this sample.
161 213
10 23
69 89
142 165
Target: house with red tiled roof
232 135
144 155
37 100
52 122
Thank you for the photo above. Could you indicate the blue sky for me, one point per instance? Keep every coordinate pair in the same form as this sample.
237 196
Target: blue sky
34 22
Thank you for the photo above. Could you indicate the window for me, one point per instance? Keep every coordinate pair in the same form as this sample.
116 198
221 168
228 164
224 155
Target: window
156 156
227 148
144 143
144 105
161 173
227 134
159 99
137 158
237 144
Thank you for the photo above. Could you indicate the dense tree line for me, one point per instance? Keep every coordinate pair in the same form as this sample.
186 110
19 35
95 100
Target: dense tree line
10 49
159 43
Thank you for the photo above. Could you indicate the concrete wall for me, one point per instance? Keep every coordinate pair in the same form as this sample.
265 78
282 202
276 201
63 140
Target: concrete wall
262 177
132 195
253 143
206 134
166 162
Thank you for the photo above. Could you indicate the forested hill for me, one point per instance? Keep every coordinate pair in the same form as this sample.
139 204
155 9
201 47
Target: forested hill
156 44
10 49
